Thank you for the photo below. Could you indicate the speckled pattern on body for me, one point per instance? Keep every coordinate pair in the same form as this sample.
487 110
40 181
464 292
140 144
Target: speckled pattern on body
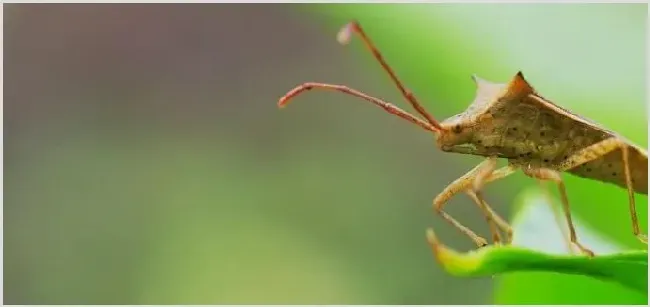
512 121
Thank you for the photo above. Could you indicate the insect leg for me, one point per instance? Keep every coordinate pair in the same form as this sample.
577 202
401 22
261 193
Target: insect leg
476 195
470 183
498 220
598 150
552 175
630 194
556 214
478 240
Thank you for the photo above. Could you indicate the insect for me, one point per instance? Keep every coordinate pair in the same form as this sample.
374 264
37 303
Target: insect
512 121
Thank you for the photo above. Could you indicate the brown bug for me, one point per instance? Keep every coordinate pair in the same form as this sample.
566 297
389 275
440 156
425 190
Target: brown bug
512 121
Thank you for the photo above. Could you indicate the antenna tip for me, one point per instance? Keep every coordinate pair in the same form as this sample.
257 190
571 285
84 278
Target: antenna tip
343 37
283 102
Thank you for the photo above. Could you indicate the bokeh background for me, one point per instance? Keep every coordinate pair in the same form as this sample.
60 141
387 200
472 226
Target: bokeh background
146 161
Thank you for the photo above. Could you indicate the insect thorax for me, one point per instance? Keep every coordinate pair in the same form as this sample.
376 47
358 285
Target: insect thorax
505 120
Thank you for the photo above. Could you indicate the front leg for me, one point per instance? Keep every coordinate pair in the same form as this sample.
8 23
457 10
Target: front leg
472 183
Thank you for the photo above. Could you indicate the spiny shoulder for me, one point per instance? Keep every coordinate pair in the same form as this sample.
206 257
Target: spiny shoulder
500 97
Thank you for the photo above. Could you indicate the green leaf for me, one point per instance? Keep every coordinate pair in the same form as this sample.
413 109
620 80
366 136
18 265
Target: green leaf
539 228
540 247
628 268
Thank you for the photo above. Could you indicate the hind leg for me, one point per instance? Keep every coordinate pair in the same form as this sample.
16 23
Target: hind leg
599 150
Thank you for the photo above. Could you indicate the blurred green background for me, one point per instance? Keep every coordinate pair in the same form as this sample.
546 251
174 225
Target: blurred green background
146 161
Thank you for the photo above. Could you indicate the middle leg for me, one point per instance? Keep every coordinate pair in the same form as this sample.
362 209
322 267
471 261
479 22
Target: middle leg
554 176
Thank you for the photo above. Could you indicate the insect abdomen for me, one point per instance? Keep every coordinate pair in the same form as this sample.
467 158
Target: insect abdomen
609 168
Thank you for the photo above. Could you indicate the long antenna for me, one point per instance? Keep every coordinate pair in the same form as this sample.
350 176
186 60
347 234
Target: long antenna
344 37
390 108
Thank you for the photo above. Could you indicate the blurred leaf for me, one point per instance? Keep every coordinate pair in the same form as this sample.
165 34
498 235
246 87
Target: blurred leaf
629 269
536 228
